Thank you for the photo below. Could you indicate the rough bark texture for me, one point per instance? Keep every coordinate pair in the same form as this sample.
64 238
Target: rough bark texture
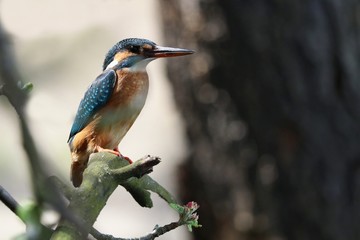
271 103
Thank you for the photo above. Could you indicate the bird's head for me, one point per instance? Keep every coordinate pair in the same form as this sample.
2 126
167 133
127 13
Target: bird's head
136 53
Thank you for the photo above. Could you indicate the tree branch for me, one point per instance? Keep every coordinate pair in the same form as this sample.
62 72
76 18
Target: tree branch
9 73
8 200
103 174
27 214
101 178
17 94
188 216
158 231
137 169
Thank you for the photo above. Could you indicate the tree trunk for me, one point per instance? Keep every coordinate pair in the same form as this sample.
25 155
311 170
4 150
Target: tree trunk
271 103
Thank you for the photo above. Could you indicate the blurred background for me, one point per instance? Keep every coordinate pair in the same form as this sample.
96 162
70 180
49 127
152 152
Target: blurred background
260 126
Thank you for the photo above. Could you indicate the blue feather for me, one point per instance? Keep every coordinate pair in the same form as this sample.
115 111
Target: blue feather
94 99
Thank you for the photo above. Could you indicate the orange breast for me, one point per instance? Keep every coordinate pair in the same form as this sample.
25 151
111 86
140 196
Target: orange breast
124 106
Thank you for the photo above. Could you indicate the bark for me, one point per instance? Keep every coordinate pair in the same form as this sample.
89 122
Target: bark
271 104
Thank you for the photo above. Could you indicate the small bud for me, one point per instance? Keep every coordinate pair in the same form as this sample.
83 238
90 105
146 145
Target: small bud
27 87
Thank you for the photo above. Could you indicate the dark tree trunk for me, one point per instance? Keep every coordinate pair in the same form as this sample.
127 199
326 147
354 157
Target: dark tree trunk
271 103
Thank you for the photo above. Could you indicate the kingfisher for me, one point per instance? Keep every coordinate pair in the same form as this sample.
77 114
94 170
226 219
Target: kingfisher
113 101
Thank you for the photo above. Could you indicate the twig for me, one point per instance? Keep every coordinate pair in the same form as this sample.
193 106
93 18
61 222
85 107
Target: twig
14 206
137 169
188 216
9 73
17 95
8 200
158 231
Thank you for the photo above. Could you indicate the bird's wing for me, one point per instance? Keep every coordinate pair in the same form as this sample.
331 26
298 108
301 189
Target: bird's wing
94 99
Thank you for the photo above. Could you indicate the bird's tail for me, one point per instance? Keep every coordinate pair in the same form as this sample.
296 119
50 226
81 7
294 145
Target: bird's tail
78 165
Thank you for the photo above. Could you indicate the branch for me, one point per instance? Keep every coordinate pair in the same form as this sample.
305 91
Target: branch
9 73
158 231
137 169
101 177
99 182
28 214
8 200
17 94
188 216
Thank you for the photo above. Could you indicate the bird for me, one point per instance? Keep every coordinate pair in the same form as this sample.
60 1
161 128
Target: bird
113 101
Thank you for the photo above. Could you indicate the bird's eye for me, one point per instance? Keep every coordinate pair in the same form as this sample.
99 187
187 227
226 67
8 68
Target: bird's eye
135 49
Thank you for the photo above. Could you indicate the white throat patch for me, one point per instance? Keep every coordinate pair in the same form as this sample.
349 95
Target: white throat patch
140 66
112 64
137 67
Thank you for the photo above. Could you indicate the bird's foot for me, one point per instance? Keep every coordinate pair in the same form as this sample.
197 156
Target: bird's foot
115 151
100 149
120 155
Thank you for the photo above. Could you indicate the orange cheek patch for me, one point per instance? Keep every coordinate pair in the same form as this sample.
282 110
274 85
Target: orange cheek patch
118 57
147 47
122 55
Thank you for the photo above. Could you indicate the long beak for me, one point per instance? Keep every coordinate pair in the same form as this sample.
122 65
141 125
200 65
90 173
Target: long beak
160 52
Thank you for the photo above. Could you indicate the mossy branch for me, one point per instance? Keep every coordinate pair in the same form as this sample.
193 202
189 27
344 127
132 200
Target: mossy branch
102 176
